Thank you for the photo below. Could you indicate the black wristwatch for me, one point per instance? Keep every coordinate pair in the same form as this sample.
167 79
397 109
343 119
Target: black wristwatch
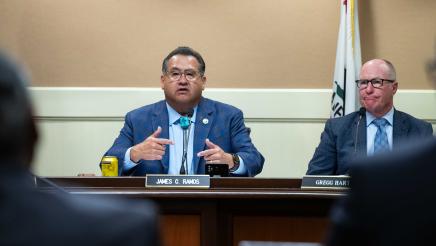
236 163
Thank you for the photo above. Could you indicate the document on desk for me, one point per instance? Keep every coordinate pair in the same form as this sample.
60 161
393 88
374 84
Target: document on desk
325 182
177 181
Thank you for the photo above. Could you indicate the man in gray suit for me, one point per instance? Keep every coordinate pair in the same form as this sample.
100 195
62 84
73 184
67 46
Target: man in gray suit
32 217
377 127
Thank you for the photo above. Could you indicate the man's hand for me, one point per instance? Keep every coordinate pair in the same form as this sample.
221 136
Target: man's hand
216 155
152 148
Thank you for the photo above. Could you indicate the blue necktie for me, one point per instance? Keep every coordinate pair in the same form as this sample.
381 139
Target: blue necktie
381 143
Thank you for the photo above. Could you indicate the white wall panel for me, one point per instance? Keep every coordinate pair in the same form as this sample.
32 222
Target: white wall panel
78 125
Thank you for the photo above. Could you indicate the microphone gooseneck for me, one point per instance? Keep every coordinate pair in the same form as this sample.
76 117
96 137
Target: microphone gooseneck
361 112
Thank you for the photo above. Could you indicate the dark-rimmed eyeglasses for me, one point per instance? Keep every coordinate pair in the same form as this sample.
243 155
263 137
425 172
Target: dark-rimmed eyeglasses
190 75
376 83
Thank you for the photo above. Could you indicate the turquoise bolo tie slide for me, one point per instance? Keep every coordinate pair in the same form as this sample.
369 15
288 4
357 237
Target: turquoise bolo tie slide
184 122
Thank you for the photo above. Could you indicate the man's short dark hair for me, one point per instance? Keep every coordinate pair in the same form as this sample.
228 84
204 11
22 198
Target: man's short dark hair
186 51
17 128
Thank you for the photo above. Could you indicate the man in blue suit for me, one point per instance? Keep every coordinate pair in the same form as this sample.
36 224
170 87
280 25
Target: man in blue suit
358 134
196 130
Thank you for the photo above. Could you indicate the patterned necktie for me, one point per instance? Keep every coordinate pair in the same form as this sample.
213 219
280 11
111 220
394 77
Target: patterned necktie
381 143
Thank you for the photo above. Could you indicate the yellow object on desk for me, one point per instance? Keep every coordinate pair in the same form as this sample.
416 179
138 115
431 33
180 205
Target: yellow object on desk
109 166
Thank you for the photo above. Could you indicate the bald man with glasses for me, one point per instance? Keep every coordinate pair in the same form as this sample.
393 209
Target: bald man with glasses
377 127
391 200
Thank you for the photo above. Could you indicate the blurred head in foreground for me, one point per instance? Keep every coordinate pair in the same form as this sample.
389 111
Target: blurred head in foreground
17 129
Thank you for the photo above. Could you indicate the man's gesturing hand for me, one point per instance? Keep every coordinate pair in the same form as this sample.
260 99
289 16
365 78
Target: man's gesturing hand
216 155
152 148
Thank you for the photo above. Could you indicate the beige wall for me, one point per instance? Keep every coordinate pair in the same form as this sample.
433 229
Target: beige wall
246 43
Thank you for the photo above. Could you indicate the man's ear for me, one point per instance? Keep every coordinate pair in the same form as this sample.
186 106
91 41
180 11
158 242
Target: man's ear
394 87
203 79
162 82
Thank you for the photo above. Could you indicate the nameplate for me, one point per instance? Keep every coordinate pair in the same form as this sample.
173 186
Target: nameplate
321 182
177 181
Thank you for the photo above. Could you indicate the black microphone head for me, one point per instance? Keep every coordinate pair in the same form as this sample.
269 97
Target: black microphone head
362 111
190 113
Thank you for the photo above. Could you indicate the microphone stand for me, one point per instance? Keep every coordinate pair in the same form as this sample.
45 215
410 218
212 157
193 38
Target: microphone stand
184 168
362 111
186 126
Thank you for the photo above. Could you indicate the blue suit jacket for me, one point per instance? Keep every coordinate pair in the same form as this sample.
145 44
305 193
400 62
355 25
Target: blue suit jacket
338 144
225 128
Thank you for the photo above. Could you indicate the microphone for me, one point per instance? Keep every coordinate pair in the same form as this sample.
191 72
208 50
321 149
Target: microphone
361 113
185 124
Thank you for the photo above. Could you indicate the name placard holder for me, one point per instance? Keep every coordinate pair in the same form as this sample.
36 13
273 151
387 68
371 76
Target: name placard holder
324 182
177 181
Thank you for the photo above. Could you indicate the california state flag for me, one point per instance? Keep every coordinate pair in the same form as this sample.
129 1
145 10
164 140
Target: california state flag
348 62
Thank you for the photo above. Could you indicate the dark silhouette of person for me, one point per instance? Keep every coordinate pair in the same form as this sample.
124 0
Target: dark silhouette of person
29 216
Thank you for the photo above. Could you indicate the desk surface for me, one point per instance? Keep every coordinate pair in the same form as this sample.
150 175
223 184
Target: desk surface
220 188
231 210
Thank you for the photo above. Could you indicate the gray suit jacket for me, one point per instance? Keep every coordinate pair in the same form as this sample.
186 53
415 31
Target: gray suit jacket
341 143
